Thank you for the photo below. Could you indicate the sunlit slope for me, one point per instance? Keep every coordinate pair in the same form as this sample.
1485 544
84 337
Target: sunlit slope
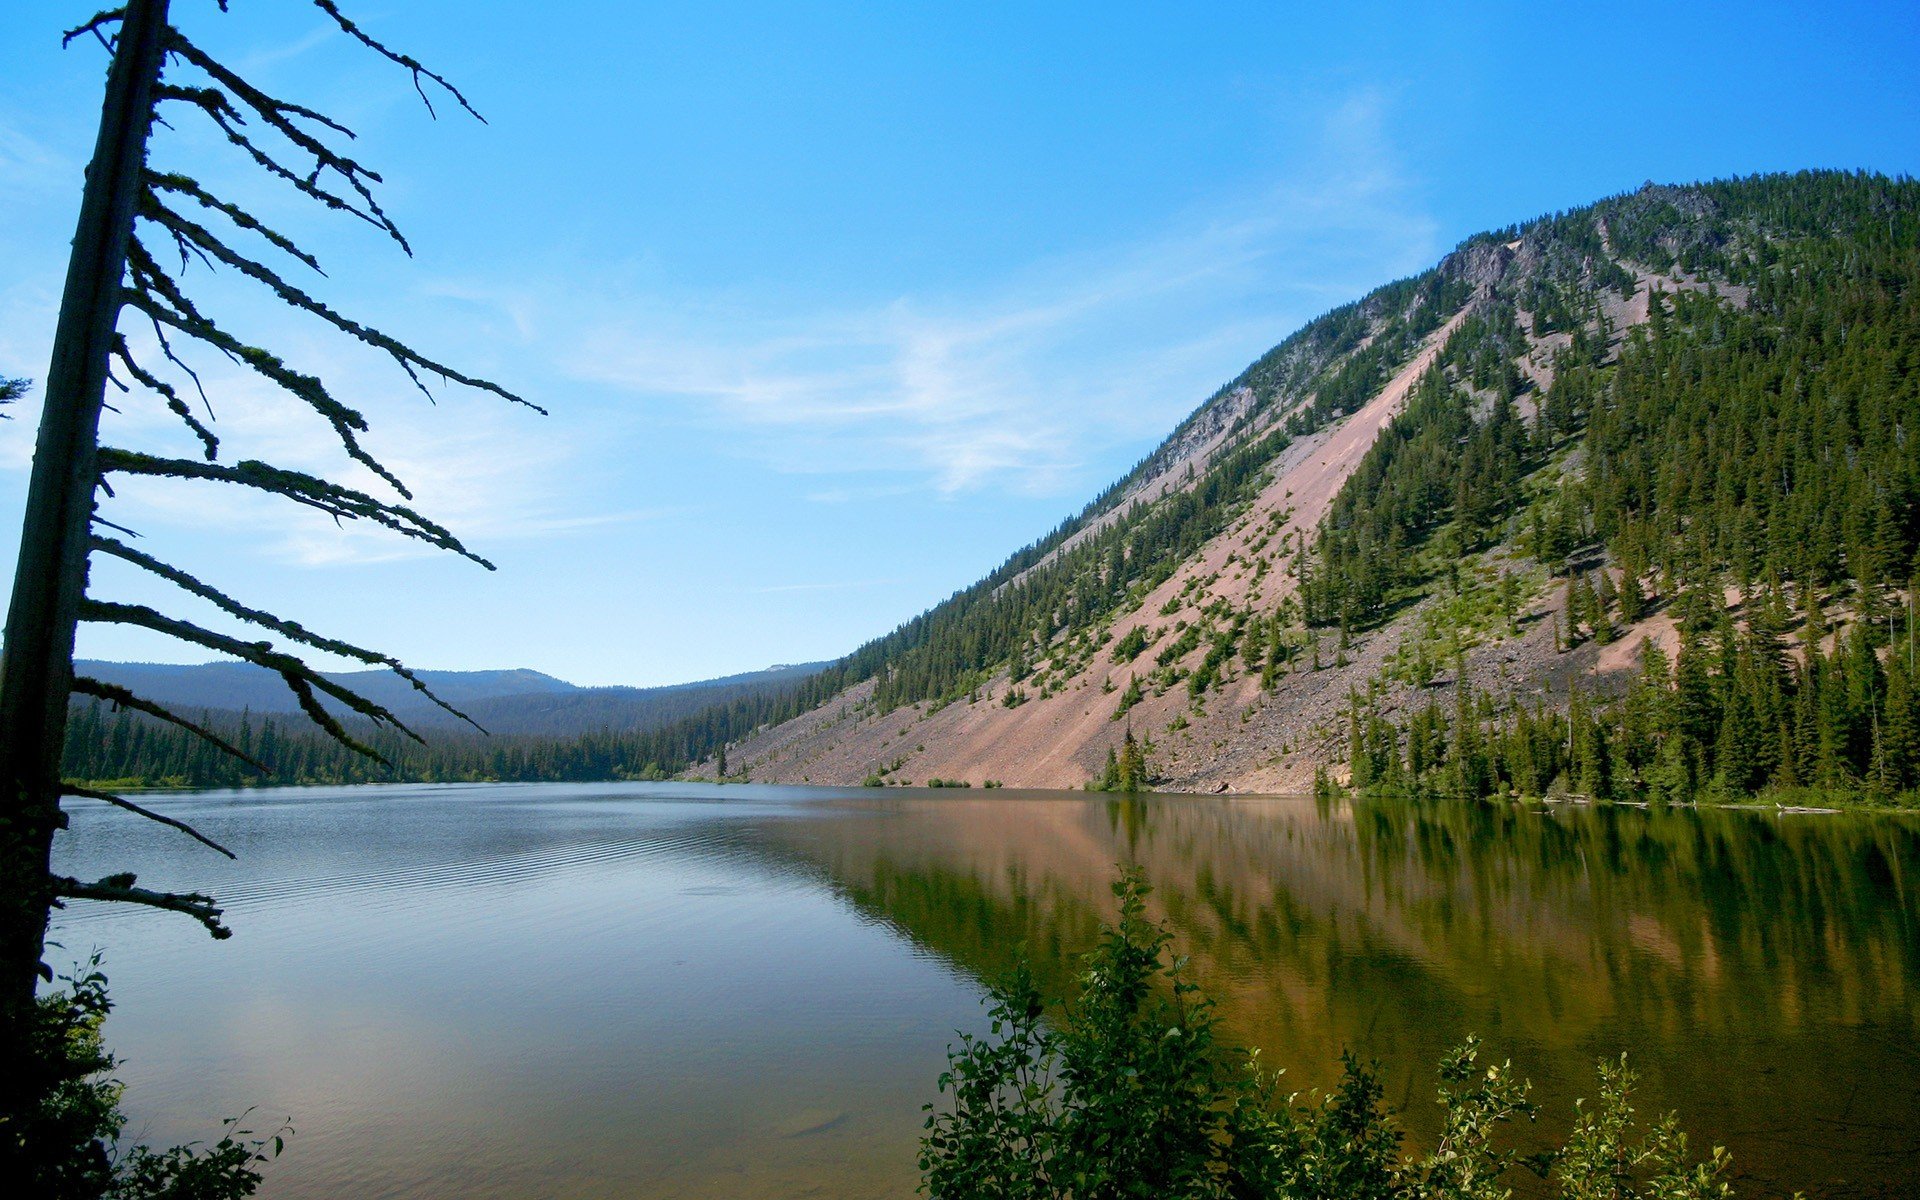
1390 498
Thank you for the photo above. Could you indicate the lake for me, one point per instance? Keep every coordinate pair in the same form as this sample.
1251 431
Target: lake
677 990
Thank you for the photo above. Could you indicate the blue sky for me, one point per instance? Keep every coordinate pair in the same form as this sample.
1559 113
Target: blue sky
834 305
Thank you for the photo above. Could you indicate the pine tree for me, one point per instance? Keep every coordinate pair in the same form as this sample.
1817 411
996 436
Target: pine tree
1604 597
1594 758
1472 776
1696 710
1632 601
1738 750
1899 740
1359 764
1132 764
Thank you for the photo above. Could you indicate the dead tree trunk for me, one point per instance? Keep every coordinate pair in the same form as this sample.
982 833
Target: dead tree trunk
50 578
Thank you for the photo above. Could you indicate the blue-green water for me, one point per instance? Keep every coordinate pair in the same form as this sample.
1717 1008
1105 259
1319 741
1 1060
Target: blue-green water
662 990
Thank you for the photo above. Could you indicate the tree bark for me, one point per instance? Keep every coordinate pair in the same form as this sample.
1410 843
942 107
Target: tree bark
50 577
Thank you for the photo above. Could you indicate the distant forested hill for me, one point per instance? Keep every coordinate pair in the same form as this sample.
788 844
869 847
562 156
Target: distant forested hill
238 686
541 724
510 701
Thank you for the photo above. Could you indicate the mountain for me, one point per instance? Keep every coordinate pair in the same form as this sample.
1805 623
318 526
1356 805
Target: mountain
238 685
517 701
626 710
1683 416
1623 500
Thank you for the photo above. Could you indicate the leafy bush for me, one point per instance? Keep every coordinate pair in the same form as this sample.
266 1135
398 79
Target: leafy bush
1131 1094
67 1148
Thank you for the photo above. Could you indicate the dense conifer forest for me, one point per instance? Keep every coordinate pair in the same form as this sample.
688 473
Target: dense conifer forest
1749 469
1742 462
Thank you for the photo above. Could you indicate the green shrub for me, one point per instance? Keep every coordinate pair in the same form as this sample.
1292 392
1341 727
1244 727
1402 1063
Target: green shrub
66 1149
1130 1094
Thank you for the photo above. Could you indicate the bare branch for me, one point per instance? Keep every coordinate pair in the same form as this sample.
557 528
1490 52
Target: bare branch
179 313
328 497
101 20
275 113
166 348
100 520
214 103
406 60
120 697
166 392
74 789
291 629
120 889
188 252
184 186
153 210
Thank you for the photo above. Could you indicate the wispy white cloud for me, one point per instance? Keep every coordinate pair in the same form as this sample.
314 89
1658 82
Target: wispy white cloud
491 473
260 59
1016 386
831 586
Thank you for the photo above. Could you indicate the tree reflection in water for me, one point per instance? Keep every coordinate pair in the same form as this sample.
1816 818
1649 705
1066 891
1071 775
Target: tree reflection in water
1760 968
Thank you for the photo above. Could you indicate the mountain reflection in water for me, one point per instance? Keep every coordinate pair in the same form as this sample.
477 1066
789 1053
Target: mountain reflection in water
680 990
1760 969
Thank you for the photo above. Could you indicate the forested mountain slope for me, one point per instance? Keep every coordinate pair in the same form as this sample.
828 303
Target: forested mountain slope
1684 416
1620 500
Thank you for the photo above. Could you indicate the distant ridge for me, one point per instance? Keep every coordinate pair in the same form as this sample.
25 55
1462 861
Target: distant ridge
514 700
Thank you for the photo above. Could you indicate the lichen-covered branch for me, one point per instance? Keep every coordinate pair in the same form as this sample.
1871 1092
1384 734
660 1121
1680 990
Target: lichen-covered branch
120 802
156 294
279 115
302 687
166 392
408 359
301 679
405 60
331 498
182 185
214 103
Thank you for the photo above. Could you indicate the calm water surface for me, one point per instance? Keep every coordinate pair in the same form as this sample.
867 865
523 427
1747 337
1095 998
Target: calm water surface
668 990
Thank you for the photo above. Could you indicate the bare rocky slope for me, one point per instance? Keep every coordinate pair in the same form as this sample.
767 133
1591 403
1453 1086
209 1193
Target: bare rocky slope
1217 715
